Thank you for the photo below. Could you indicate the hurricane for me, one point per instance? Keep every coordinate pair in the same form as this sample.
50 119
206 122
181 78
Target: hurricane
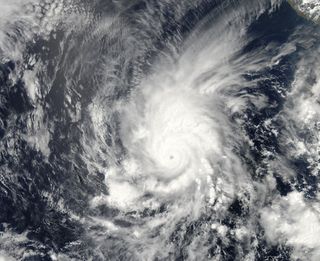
159 130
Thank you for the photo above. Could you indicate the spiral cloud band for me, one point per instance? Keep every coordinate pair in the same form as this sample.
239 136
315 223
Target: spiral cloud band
159 130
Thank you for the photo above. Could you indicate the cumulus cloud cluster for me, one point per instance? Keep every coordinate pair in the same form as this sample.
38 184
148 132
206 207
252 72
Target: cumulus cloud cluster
294 221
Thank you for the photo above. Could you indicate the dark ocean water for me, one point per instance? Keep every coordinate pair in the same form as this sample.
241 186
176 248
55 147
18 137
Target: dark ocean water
76 76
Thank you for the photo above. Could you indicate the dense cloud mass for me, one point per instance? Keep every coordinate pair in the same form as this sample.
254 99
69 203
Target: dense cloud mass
308 8
159 130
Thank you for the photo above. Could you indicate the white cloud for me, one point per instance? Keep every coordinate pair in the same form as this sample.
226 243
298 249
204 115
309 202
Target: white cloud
4 257
295 222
